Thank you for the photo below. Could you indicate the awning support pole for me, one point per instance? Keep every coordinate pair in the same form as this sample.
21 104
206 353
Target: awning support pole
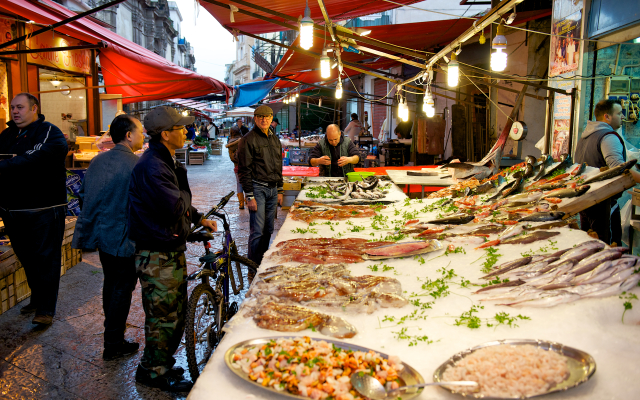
100 45
60 23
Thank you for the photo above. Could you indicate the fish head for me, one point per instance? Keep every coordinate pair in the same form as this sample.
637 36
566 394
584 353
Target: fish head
530 159
557 214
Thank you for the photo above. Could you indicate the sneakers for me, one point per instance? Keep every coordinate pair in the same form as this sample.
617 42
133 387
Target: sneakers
28 309
125 348
42 319
170 382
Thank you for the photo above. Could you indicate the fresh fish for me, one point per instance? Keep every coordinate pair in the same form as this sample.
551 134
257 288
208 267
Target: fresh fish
550 225
530 237
501 285
559 282
458 165
543 216
456 219
519 179
612 172
599 273
485 187
488 229
541 172
552 269
589 263
508 266
523 271
551 186
565 161
549 298
619 276
517 293
501 188
511 231
577 252
616 288
530 160
524 197
568 193
583 290
528 170
397 249
579 169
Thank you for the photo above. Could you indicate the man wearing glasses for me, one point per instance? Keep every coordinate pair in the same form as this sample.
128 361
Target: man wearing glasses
260 172
160 217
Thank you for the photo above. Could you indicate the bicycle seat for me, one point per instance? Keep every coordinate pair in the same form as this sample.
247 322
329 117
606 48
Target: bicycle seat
209 258
200 236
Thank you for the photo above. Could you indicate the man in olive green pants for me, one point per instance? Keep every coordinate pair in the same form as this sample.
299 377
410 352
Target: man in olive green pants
164 296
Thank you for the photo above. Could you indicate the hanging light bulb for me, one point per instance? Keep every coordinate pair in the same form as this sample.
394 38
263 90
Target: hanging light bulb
185 113
339 89
403 110
55 82
320 102
453 71
306 29
499 57
429 105
325 65
482 39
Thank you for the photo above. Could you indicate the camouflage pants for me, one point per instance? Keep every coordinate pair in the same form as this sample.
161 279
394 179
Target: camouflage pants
164 298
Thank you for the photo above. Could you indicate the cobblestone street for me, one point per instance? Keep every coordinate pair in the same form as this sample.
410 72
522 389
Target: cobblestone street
65 361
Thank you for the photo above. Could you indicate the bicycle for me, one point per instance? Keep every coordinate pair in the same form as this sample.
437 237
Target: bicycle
208 308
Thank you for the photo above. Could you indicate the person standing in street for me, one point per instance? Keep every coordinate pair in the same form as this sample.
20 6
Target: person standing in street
354 129
237 131
103 224
160 218
601 146
335 154
260 171
33 200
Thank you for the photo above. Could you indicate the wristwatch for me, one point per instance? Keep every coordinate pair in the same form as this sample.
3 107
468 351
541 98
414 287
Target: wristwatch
249 198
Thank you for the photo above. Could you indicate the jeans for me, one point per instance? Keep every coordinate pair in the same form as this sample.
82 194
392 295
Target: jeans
120 280
36 237
238 185
261 222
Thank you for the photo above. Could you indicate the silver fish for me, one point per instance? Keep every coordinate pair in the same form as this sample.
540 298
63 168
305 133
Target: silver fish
617 288
612 172
519 293
596 275
508 266
583 250
583 290
524 197
543 216
568 193
513 230
619 276
594 260
549 298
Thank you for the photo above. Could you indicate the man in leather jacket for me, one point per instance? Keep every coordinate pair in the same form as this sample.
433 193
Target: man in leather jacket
160 218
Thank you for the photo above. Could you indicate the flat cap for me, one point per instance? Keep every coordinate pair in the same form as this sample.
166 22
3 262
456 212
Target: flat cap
263 110
163 119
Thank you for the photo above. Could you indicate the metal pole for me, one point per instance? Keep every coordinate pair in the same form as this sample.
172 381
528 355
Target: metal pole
549 133
60 23
571 119
100 45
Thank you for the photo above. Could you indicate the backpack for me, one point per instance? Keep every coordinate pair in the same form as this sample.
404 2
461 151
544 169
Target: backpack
233 150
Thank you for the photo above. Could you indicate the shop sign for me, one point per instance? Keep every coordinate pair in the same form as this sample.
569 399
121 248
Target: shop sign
72 61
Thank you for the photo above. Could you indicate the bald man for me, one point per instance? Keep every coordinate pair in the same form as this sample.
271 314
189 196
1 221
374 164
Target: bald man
335 153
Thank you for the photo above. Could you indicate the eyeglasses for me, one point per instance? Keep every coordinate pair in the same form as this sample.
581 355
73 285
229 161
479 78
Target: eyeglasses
181 128
264 116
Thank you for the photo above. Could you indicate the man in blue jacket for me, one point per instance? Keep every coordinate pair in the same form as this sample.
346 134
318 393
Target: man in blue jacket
160 218
33 200
103 224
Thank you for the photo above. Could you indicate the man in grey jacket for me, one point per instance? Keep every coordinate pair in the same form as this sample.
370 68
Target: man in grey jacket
103 224
601 146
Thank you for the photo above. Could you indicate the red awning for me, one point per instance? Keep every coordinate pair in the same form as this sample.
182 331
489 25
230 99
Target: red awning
417 36
123 62
338 10
202 115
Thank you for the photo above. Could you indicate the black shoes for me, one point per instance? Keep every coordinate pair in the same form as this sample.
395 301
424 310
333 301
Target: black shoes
111 352
170 382
28 309
41 319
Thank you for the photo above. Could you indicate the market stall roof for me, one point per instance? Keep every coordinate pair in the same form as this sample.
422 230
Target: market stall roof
197 105
418 36
123 61
338 10
202 115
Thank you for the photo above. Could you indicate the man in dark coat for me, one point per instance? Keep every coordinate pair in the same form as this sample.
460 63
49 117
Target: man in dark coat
601 146
260 171
160 218
335 153
33 200
103 224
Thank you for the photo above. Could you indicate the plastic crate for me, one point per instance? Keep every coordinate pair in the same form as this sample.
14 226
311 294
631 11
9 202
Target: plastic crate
299 157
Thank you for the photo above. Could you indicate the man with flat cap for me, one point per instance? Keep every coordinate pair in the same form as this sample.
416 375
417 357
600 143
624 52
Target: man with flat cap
160 218
260 172
335 153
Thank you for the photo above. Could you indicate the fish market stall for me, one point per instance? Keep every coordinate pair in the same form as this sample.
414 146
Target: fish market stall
331 190
425 280
431 177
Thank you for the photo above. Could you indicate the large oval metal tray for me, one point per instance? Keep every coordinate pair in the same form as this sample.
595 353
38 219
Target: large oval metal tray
581 365
408 375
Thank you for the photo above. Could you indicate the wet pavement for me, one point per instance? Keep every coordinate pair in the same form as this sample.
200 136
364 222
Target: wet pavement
65 361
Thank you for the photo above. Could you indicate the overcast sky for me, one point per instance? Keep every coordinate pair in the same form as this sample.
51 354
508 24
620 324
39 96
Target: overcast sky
214 46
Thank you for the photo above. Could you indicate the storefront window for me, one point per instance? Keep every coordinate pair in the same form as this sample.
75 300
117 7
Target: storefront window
68 109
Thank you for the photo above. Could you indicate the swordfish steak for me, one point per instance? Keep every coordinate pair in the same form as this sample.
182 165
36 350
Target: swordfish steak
397 249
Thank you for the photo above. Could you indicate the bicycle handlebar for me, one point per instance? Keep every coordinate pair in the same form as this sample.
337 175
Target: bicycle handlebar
223 202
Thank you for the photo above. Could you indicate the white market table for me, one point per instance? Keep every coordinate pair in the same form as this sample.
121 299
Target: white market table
400 178
591 325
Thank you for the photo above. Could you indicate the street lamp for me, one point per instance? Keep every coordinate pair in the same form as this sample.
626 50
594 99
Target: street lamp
306 29
499 44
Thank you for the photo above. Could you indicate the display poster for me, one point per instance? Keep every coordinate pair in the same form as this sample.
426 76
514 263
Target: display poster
72 61
564 52
564 62
4 95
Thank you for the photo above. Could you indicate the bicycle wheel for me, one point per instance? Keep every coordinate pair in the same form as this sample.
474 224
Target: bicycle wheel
203 327
252 267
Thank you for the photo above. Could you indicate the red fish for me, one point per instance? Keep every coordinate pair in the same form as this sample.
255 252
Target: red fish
411 221
307 259
557 178
553 200
397 249
489 244
430 231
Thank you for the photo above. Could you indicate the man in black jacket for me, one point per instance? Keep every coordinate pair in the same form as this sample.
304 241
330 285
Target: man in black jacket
260 172
33 200
160 217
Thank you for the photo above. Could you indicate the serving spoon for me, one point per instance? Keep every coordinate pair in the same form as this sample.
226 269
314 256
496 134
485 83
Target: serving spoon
370 387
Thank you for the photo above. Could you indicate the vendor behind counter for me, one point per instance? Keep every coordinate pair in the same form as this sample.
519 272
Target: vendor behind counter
335 154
